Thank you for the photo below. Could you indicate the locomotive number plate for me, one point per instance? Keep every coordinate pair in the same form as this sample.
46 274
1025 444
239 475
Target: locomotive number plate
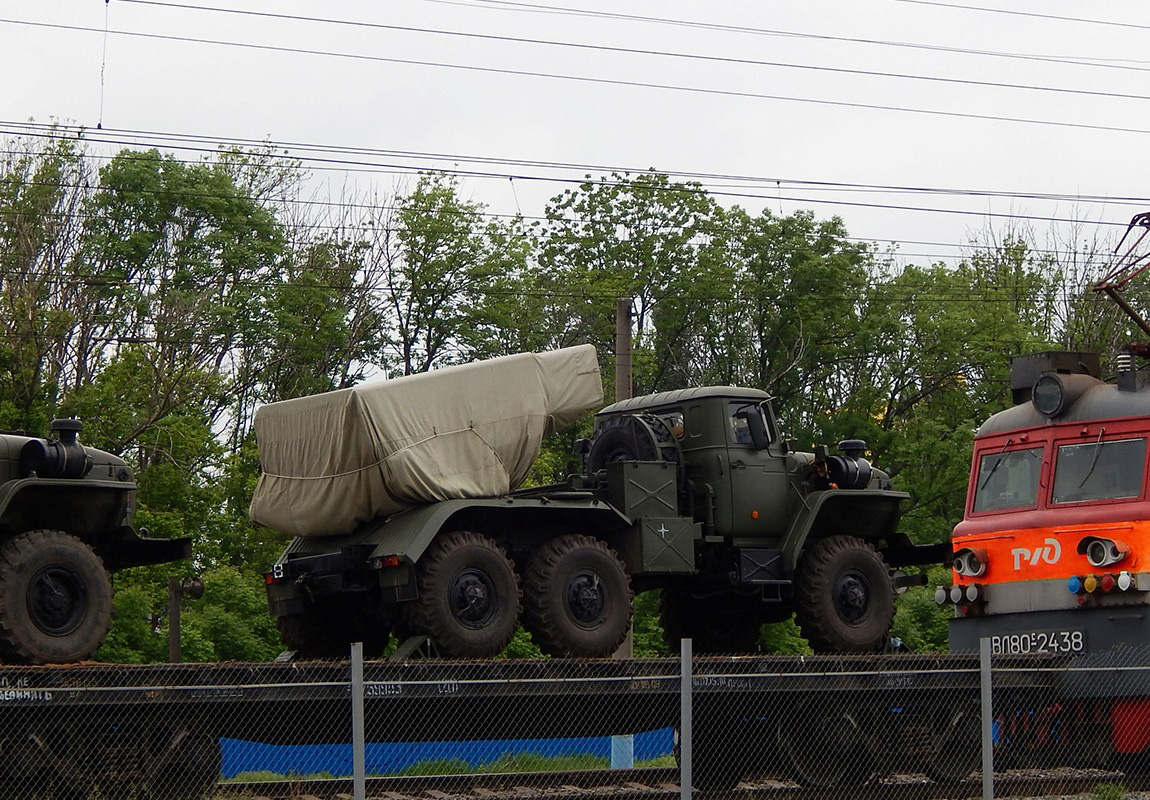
1037 642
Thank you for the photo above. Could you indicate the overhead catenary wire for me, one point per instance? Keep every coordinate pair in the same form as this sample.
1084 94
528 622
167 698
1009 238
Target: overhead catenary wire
748 95
765 195
647 52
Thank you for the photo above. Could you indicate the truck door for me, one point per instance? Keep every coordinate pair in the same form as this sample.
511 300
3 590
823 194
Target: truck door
758 478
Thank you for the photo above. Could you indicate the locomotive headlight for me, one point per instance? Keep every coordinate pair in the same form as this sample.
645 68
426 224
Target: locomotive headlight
1103 552
1047 396
970 562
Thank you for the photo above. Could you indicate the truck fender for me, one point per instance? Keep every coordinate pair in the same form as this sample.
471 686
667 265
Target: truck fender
868 514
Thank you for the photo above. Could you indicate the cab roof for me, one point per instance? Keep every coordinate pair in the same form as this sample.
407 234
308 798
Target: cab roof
679 396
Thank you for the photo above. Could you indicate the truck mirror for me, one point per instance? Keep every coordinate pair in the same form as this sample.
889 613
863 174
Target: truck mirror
756 427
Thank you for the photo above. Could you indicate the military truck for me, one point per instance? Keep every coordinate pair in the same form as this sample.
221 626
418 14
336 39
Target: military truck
65 524
695 492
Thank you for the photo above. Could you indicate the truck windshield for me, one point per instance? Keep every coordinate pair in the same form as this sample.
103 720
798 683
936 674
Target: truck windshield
1099 471
1008 480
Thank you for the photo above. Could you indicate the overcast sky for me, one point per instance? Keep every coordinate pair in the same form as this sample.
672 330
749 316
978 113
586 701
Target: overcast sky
763 96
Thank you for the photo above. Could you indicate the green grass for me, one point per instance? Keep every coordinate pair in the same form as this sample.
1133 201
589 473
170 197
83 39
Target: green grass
506 763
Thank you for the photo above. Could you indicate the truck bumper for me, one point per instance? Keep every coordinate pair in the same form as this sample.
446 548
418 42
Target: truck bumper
298 583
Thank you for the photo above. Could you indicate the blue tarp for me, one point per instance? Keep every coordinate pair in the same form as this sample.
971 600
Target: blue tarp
385 758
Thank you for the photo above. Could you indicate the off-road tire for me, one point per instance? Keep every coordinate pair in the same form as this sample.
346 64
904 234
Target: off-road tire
844 596
632 437
726 623
55 599
468 598
577 598
328 633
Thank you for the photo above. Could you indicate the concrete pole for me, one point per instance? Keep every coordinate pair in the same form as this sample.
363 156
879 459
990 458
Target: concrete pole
623 747
623 381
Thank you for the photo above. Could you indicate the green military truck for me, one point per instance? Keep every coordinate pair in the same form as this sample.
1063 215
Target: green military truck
695 492
65 523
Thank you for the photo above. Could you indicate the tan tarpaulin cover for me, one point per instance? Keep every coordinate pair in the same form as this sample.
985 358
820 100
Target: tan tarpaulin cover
335 460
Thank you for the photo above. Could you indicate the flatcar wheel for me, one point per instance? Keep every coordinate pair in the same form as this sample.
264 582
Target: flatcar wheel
468 597
957 744
577 598
821 746
188 770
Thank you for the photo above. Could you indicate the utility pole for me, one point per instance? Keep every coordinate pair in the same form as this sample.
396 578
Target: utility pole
623 348
623 747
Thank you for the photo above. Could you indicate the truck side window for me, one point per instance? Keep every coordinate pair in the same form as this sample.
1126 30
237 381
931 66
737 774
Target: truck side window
740 433
674 423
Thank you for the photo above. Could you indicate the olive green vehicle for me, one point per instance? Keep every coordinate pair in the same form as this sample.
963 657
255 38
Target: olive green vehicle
65 524
694 492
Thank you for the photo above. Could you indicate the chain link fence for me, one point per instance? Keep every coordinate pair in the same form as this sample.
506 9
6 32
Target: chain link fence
540 728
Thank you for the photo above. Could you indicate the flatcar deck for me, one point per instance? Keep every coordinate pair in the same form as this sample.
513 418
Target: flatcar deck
424 700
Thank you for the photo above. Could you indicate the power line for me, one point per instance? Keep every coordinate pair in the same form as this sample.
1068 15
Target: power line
1084 20
49 130
741 29
599 81
645 52
746 195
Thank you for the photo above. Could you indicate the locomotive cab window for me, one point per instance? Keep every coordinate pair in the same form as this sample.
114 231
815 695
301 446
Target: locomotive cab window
1008 480
1099 471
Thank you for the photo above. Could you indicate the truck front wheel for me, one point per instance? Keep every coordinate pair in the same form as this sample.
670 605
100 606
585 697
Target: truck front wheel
844 597
577 598
468 599
55 599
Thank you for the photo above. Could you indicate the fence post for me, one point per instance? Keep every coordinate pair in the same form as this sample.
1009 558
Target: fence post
358 759
685 720
987 687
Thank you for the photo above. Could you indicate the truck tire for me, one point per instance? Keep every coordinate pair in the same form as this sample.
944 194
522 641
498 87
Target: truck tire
55 599
577 598
468 596
844 596
632 437
723 623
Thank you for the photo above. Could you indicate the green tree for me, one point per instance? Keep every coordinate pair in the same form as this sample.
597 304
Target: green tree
642 237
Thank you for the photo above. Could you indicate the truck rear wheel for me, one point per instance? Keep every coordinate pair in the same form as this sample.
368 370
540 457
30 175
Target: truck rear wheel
723 623
844 596
468 600
577 598
55 599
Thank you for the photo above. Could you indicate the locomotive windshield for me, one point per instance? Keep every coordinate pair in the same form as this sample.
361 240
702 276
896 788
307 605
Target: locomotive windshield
1099 471
1008 480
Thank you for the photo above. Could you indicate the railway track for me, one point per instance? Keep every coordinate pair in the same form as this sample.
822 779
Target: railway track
662 784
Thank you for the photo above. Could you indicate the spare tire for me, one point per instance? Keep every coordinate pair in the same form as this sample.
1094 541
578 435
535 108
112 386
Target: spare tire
632 437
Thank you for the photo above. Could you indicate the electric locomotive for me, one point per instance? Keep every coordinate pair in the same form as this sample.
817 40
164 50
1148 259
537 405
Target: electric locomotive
1053 553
